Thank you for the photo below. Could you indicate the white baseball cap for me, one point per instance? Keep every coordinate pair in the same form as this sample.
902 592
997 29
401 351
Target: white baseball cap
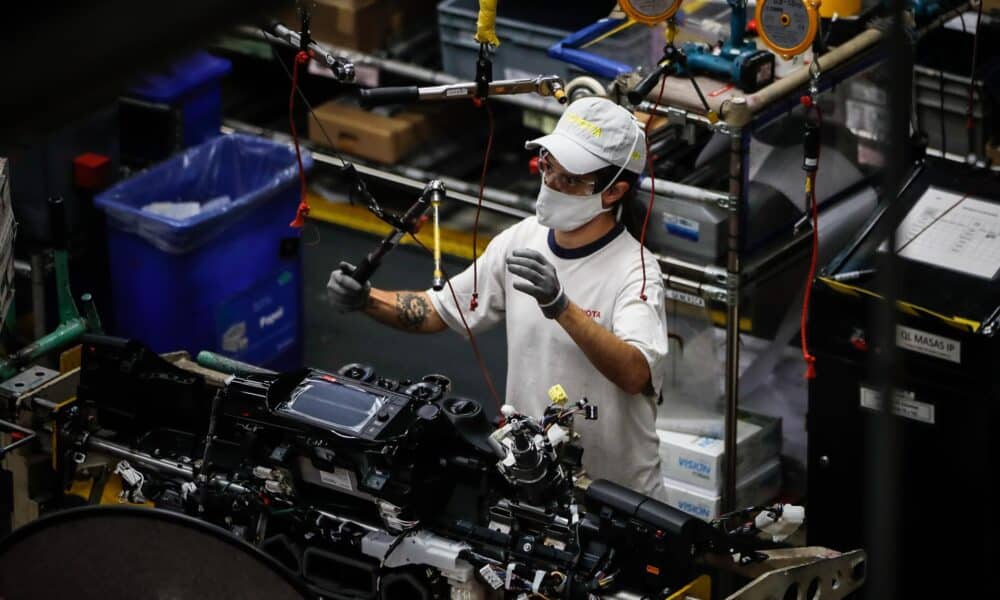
594 133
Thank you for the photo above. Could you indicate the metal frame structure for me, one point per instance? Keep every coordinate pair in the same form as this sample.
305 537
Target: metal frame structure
741 116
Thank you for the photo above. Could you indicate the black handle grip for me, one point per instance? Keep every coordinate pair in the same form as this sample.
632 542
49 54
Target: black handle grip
364 270
57 222
389 95
640 91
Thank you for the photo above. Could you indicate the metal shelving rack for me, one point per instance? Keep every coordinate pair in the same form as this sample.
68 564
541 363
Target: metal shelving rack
741 115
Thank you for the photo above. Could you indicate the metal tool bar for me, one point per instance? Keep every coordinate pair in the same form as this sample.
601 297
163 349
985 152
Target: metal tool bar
685 192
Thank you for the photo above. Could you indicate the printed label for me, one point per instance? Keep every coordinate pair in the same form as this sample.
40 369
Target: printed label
260 323
929 344
696 467
694 509
340 478
492 579
904 405
688 229
686 298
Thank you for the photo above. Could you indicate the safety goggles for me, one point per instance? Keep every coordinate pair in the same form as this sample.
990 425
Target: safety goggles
559 179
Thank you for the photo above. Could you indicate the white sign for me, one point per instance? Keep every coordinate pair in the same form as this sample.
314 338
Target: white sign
929 344
904 404
952 231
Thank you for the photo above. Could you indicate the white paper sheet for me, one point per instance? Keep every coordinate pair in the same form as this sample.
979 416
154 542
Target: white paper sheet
952 231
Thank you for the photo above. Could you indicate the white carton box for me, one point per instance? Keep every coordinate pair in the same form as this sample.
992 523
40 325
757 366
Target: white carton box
698 460
760 487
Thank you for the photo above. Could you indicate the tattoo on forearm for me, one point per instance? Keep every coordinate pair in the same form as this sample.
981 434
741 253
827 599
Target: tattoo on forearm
411 309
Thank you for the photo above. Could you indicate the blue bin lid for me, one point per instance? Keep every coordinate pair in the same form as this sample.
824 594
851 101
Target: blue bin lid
180 78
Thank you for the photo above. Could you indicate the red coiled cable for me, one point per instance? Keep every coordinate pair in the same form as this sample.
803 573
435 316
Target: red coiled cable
652 189
300 214
813 205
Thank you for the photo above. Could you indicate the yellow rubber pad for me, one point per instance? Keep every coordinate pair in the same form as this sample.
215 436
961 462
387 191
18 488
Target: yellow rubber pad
557 394
909 308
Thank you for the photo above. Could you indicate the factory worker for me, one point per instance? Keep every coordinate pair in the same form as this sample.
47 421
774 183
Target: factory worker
580 307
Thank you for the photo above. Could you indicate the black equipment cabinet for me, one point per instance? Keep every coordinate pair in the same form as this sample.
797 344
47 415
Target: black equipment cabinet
945 408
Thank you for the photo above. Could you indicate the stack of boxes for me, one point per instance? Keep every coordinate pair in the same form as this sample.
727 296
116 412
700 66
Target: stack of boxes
693 466
8 228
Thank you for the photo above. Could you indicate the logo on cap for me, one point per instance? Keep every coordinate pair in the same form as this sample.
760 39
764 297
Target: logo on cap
584 124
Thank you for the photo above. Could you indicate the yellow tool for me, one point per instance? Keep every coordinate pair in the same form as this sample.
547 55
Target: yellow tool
486 23
650 12
787 27
438 282
558 395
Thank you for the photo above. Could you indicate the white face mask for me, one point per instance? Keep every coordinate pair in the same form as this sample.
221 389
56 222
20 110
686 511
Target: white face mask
566 212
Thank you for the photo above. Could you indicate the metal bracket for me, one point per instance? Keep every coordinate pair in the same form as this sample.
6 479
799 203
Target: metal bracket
814 74
676 116
27 381
728 203
718 275
825 577
716 294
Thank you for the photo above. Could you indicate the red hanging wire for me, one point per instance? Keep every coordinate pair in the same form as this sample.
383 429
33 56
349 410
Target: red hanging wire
300 214
813 205
652 188
474 303
468 330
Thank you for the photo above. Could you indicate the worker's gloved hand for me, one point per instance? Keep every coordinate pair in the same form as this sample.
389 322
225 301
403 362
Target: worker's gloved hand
344 292
539 280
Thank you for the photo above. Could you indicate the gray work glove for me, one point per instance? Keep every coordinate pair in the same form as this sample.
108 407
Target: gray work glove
344 292
539 280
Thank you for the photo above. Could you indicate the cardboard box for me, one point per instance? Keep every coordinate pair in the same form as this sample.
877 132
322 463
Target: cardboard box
385 139
761 486
356 24
698 460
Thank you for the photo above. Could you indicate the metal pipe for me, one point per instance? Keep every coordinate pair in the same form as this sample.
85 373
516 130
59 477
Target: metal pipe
800 77
685 192
158 464
703 290
38 294
493 199
738 174
709 272
883 458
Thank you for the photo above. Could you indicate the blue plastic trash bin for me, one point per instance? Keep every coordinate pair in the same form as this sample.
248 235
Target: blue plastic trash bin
217 266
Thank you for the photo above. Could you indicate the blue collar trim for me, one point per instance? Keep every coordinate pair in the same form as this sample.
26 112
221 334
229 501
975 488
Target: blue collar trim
586 249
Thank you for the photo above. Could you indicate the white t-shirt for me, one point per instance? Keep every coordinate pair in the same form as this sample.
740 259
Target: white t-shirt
603 278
